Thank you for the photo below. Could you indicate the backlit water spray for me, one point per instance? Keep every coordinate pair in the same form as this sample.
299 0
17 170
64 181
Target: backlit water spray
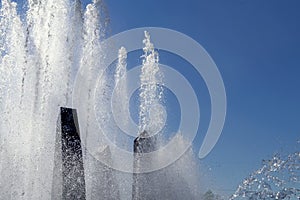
278 178
40 55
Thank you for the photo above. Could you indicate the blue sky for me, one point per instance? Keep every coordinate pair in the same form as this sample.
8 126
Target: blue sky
256 46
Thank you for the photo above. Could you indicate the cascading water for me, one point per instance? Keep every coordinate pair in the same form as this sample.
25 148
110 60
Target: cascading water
40 56
39 59
11 102
278 178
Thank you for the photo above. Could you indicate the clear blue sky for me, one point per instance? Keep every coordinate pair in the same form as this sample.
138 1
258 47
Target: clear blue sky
256 46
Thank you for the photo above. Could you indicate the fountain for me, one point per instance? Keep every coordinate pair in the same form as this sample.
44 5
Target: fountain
44 158
42 149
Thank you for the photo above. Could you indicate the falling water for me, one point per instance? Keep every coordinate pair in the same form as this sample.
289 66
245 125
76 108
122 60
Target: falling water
278 178
40 56
12 73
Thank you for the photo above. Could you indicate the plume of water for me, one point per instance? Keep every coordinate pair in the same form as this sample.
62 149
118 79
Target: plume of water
180 180
40 56
121 96
13 70
121 102
278 178
151 91
91 59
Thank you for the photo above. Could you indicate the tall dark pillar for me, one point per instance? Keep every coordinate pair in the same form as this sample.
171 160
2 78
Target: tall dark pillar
68 177
141 187
165 183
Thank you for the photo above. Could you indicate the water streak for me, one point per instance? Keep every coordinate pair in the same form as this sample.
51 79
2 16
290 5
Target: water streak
40 55
278 178
151 90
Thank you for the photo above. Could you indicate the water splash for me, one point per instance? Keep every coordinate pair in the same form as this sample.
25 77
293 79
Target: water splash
39 59
121 100
121 66
278 178
40 56
151 90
